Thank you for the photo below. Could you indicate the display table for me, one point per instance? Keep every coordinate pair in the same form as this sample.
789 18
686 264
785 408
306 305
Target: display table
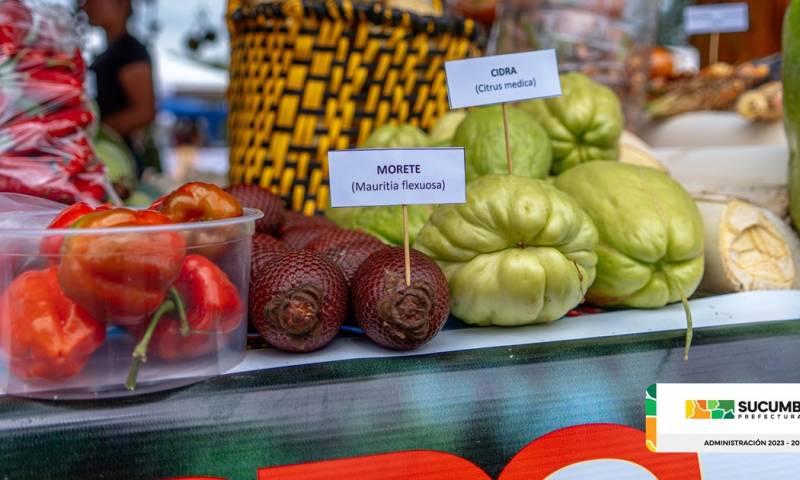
482 404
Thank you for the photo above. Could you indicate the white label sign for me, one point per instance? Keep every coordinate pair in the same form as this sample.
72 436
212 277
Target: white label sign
413 176
716 18
502 78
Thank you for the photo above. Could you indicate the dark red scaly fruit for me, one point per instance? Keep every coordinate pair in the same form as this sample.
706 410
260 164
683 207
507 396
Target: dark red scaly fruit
263 250
348 256
253 196
267 243
299 237
264 247
392 314
299 303
297 219
332 238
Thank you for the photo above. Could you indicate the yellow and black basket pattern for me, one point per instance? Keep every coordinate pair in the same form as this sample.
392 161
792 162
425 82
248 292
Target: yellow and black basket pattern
308 77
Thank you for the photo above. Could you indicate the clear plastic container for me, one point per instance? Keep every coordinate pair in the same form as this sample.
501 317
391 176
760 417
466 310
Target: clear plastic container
609 40
69 322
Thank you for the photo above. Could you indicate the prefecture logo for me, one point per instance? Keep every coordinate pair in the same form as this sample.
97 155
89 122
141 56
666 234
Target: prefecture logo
710 409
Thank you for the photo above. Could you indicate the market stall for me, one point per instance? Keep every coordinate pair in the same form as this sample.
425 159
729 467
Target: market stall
333 312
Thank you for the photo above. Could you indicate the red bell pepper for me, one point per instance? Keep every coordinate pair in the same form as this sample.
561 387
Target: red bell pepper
45 335
205 306
196 202
51 246
121 277
212 307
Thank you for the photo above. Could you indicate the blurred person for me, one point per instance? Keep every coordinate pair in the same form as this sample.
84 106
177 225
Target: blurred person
124 75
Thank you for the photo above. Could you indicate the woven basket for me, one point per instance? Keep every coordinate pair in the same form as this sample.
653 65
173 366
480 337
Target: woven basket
308 77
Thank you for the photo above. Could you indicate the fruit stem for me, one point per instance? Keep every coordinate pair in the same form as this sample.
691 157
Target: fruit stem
686 310
140 351
181 307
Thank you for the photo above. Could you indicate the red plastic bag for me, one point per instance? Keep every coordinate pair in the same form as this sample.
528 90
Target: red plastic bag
44 113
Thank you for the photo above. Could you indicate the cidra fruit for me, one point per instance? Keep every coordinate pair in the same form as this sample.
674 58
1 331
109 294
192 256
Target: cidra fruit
393 314
299 302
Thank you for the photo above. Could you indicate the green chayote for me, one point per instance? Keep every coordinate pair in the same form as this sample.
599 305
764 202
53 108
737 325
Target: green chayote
445 128
386 223
584 124
518 252
481 135
396 136
651 233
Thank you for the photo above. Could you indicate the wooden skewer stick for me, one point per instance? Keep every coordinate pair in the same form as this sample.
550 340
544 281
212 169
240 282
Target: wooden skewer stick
406 247
508 142
713 49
